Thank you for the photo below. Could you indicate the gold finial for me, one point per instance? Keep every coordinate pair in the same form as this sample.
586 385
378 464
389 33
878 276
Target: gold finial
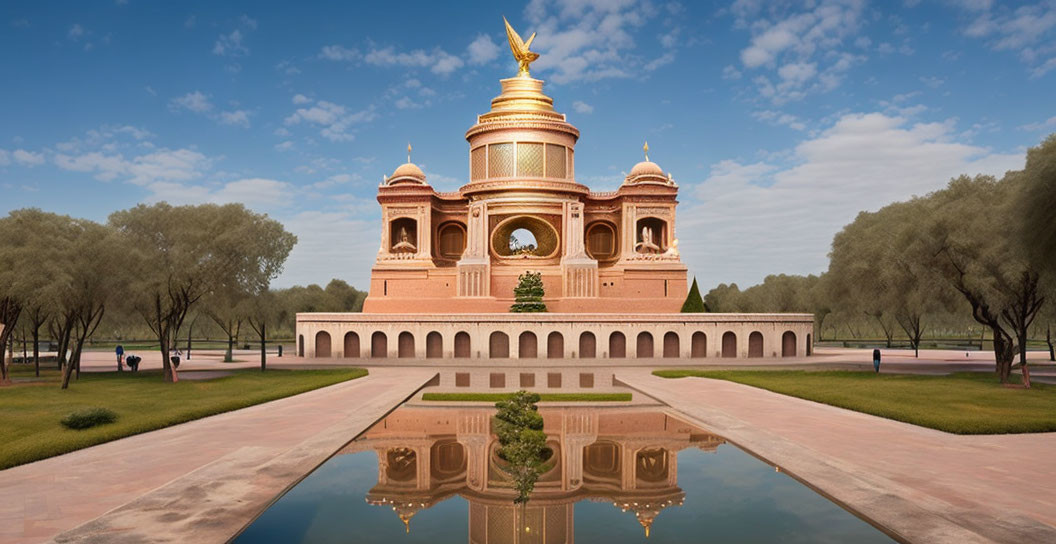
408 152
646 149
520 50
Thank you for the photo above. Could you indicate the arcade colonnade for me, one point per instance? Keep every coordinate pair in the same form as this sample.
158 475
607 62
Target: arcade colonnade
553 336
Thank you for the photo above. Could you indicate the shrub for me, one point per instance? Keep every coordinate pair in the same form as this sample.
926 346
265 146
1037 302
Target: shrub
694 303
89 417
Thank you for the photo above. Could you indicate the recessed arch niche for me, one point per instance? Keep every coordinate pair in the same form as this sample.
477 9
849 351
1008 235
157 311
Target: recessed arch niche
650 235
546 237
450 240
601 241
403 235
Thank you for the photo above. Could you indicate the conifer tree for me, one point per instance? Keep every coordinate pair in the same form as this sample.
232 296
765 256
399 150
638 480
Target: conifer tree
694 304
528 294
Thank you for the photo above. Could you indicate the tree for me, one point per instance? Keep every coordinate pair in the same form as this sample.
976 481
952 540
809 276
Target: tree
1035 204
522 441
964 240
227 309
694 303
724 298
183 253
262 312
528 295
96 278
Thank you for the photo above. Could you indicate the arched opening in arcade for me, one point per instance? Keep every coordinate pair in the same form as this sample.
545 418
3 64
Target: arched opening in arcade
671 345
434 345
788 344
698 345
588 345
379 345
351 345
555 345
617 345
755 344
729 344
527 345
463 348
499 345
322 344
644 345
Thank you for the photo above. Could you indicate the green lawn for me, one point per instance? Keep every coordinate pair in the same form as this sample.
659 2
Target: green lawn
545 397
963 403
30 411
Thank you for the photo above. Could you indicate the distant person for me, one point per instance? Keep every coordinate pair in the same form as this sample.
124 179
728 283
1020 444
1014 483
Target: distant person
133 362
120 351
876 360
175 357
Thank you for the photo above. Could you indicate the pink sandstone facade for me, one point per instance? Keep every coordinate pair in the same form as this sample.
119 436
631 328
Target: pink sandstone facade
597 252
443 281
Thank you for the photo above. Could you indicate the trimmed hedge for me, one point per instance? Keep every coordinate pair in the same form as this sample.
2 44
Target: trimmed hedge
89 417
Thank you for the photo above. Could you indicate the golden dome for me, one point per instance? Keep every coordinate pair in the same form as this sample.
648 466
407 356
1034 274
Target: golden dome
407 173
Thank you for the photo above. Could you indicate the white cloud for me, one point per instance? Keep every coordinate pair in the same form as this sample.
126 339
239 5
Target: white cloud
438 61
301 99
590 40
803 46
230 45
284 146
582 107
752 219
482 50
335 119
336 179
76 32
196 102
780 119
1048 124
338 52
405 103
259 193
237 117
1029 29
160 165
27 158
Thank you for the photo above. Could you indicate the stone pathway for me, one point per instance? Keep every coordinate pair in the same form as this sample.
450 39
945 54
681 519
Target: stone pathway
923 485
200 481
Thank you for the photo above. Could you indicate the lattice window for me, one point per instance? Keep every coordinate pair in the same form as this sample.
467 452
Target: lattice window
478 163
500 160
556 164
530 160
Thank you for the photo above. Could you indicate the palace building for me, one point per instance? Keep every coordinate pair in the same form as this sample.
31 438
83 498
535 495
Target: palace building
458 252
444 277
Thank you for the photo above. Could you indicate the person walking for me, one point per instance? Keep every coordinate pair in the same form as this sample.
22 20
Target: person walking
175 357
120 351
876 360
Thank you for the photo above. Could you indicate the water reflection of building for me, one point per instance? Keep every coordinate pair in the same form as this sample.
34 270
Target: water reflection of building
626 456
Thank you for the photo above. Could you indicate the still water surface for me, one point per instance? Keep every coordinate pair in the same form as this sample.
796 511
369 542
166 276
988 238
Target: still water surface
430 475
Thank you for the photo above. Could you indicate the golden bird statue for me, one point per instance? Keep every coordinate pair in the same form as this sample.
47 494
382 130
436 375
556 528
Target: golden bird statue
520 50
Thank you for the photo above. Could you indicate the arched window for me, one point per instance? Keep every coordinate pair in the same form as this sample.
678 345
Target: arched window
300 345
617 345
527 346
671 345
351 345
788 344
499 345
729 344
462 345
379 345
699 345
434 345
644 346
322 344
405 345
755 344
555 346
588 346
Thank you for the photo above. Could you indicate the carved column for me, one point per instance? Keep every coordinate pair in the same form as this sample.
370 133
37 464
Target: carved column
473 431
579 271
581 430
474 277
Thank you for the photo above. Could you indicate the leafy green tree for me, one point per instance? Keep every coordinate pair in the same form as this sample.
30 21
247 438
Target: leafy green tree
182 253
528 295
1037 209
694 303
522 441
724 298
227 309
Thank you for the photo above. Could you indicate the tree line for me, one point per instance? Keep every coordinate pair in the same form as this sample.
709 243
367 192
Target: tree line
148 269
980 251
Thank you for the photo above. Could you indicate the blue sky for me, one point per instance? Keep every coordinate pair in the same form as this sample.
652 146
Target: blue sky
779 120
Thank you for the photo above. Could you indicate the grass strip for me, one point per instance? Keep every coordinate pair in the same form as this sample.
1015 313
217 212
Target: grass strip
961 403
31 411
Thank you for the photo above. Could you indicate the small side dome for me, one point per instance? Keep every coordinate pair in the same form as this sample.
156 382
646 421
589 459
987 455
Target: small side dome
646 167
407 173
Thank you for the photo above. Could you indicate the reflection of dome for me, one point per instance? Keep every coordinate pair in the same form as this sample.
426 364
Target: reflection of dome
407 173
646 167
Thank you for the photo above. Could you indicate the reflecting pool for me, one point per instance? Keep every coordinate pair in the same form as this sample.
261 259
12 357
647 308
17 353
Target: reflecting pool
619 474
